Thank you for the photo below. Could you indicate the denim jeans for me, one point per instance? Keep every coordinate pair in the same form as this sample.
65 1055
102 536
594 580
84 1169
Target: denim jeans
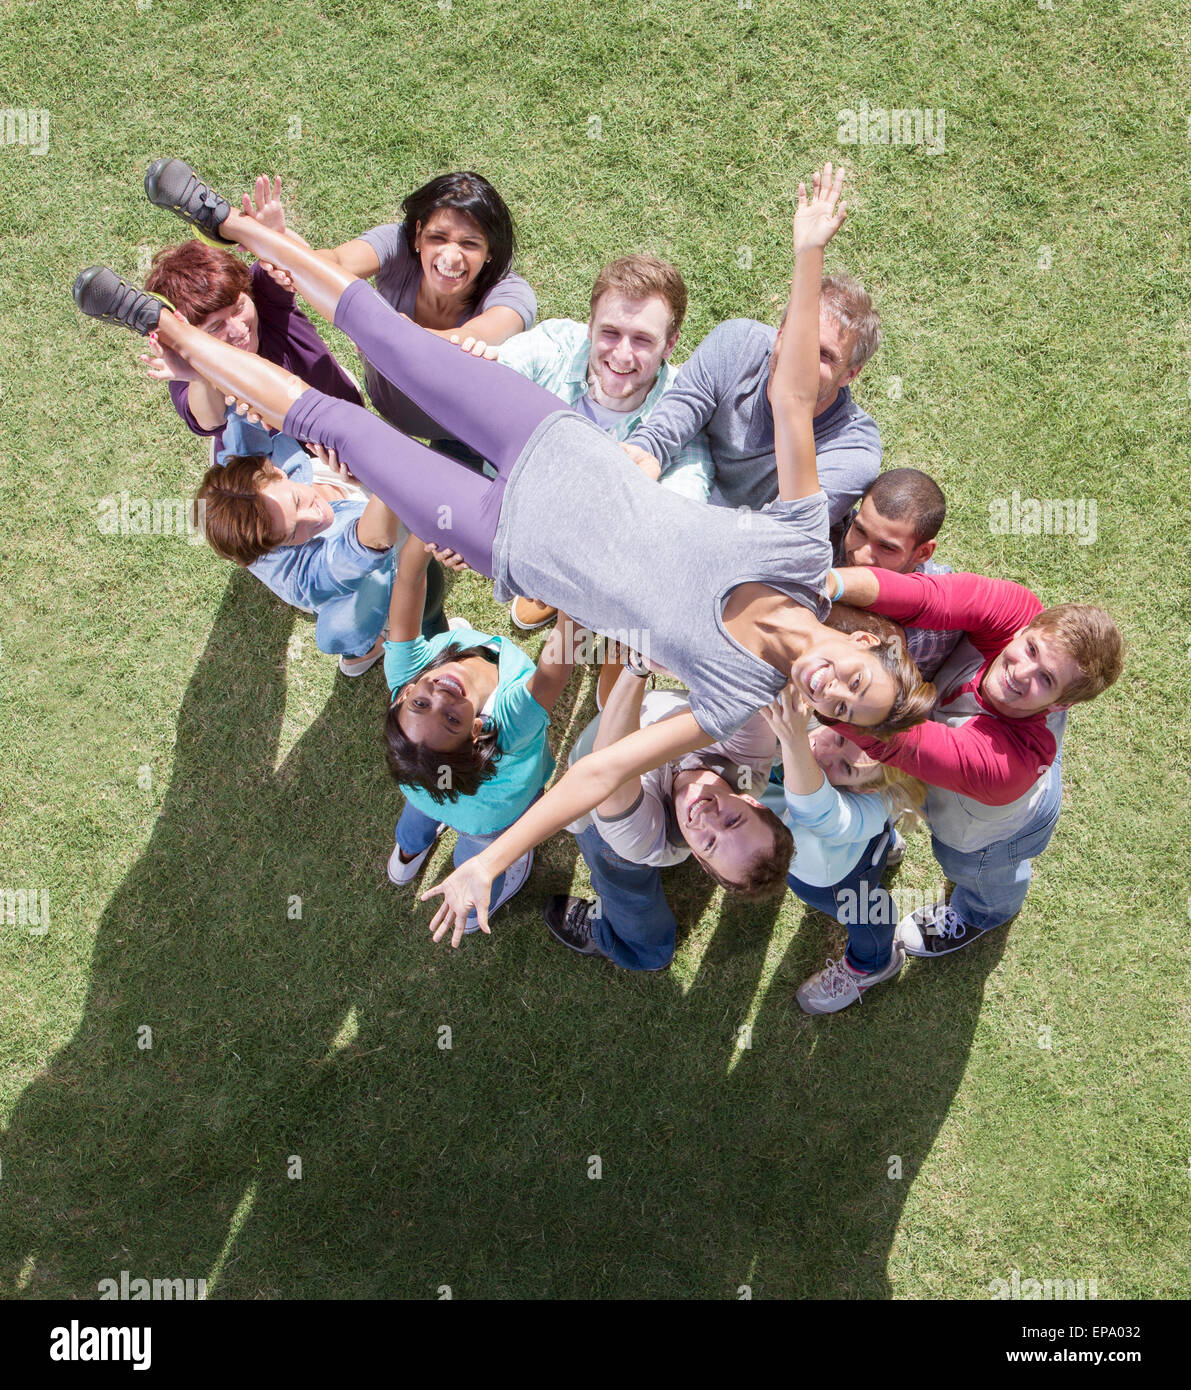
349 624
416 832
991 884
634 926
861 904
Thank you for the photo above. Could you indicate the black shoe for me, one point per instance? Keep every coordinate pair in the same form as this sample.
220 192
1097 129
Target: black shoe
935 931
569 921
172 184
100 293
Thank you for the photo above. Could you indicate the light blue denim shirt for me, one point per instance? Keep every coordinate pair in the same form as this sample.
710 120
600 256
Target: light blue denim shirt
556 353
333 562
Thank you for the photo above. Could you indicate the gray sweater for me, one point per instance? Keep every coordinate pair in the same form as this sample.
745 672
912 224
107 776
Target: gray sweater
721 390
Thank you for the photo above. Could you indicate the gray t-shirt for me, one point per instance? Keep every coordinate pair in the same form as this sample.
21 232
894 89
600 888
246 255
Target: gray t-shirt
582 528
397 282
648 833
722 390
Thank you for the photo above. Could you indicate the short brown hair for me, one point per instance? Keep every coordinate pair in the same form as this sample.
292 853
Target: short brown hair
643 277
766 877
198 279
846 300
231 511
1093 641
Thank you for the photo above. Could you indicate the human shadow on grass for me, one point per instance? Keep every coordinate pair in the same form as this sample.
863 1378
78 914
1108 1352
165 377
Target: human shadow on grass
334 1107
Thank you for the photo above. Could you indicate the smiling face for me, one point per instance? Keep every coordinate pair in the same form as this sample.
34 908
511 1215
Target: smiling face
1029 676
722 827
441 708
842 677
237 325
843 763
873 539
452 248
297 511
630 340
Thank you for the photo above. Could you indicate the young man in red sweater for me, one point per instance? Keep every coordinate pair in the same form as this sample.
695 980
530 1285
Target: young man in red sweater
991 753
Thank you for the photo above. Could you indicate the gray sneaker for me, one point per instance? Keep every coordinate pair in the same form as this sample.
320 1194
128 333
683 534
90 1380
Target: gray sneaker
839 985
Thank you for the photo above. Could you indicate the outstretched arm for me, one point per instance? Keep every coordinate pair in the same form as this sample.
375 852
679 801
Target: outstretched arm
591 781
409 592
555 664
795 386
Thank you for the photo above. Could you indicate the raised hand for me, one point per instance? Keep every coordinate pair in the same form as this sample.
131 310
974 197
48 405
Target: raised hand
468 888
788 715
268 210
818 218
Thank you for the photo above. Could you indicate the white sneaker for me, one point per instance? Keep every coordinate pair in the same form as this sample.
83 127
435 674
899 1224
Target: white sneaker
357 665
403 870
897 850
456 624
515 876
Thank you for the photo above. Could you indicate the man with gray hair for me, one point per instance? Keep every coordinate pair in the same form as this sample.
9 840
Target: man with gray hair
723 390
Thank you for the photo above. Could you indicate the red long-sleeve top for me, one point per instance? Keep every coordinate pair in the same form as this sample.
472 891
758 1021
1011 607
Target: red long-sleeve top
991 758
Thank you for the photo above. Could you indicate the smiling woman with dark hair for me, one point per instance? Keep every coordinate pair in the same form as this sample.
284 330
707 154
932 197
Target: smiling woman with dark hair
448 266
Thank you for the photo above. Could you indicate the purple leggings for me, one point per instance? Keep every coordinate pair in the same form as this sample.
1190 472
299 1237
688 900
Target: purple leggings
487 406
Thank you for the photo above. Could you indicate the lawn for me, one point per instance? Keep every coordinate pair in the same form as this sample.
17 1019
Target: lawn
202 802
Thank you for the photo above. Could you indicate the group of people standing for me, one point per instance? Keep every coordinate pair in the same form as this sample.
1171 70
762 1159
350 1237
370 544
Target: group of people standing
726 524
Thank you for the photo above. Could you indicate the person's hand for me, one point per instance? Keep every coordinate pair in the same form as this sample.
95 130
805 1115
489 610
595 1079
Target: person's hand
244 410
164 364
788 715
282 278
468 888
451 558
477 347
268 210
330 457
644 461
818 218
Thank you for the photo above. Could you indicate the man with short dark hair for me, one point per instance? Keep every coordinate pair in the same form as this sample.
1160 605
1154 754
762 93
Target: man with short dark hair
894 528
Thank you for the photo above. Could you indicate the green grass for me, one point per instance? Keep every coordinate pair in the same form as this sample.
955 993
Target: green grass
1066 129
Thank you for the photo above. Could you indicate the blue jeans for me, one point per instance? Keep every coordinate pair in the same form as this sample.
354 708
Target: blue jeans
634 925
416 832
861 904
349 624
991 884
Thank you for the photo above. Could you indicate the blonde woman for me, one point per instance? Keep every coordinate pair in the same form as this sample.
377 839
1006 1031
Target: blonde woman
841 806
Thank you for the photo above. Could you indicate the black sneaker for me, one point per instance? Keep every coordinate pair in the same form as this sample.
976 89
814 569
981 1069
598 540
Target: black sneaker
172 184
935 931
569 921
101 294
